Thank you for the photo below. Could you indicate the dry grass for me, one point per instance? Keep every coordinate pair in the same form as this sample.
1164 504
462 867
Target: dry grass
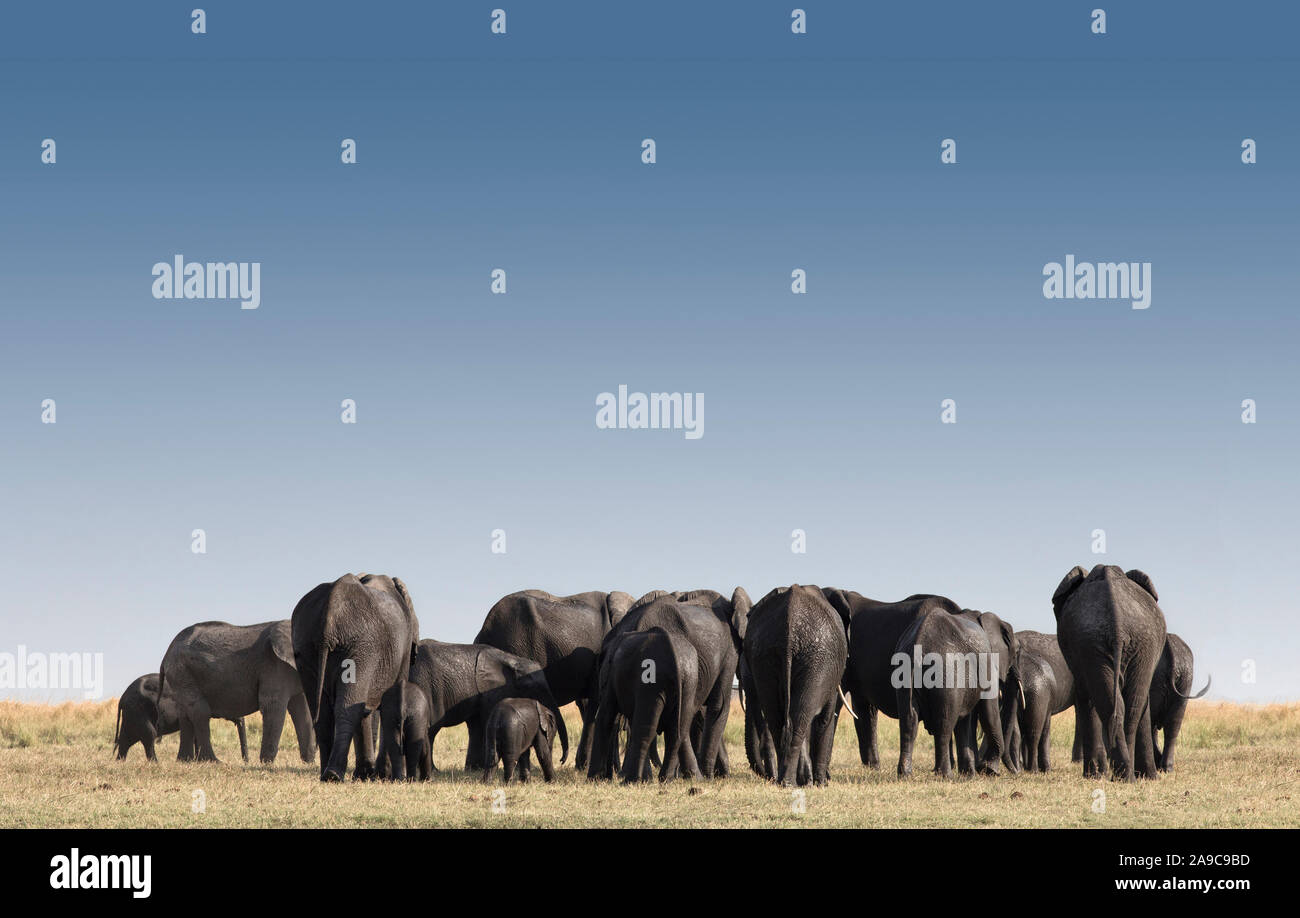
1236 767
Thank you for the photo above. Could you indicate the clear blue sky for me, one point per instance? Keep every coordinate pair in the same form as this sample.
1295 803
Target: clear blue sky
476 412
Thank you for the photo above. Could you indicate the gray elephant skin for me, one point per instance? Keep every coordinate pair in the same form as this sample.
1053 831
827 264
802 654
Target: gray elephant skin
1112 633
1048 688
715 627
877 632
464 682
564 635
143 717
1171 688
1005 645
353 641
417 750
796 648
514 727
651 678
216 669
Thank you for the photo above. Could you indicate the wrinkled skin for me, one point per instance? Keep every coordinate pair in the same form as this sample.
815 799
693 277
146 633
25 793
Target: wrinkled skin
795 653
1112 632
142 717
877 631
760 748
516 726
1003 642
1171 687
651 678
465 682
734 612
563 634
413 738
353 641
215 669
715 628
1048 690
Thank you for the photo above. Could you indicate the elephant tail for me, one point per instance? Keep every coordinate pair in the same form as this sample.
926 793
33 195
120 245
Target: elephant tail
157 702
1116 726
1200 694
117 726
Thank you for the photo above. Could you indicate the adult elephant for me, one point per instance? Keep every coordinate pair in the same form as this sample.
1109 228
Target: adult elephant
795 652
878 632
563 634
1112 633
144 714
1171 688
760 748
353 641
216 669
1004 644
651 678
465 682
733 611
1048 689
711 628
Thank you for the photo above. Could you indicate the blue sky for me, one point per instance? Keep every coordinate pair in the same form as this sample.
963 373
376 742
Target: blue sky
476 412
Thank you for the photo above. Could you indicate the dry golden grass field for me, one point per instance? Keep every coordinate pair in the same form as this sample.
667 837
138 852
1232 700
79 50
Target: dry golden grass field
1237 767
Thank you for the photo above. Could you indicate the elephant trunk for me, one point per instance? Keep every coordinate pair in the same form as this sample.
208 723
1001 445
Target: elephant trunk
117 730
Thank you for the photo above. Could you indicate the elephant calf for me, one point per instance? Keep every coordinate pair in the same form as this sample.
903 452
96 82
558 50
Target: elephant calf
410 744
515 726
142 717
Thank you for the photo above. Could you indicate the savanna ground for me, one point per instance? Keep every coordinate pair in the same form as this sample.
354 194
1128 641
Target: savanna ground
1237 767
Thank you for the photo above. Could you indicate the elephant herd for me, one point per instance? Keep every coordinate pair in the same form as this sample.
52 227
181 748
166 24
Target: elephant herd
353 674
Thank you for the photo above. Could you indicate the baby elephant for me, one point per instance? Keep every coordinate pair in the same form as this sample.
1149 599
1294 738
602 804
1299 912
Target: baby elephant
142 717
416 748
515 726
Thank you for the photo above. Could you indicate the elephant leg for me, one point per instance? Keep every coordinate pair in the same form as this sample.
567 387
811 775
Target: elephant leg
723 767
990 719
543 750
604 734
1173 726
525 765
1144 745
243 737
587 709
426 761
300 714
1044 749
147 742
1088 735
907 728
202 715
273 711
186 751
642 727
943 739
347 719
968 759
1111 715
325 736
392 761
794 735
1076 751
474 753
823 738
363 741
715 723
508 766
865 726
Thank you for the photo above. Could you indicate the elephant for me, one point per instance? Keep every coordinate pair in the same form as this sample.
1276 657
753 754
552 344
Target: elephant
884 635
796 648
143 716
650 677
515 726
714 627
563 634
465 682
1048 689
1005 645
215 669
353 641
1112 633
760 749
417 751
1170 688
734 612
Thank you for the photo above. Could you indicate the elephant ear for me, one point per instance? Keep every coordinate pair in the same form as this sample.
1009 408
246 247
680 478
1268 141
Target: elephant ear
1068 586
617 604
740 606
1144 582
545 720
404 594
488 671
281 643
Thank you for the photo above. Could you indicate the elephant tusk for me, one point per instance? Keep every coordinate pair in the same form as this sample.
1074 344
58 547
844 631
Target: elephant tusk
846 702
1021 687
